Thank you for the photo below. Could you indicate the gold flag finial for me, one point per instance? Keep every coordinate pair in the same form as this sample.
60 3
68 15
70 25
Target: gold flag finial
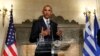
94 12
11 6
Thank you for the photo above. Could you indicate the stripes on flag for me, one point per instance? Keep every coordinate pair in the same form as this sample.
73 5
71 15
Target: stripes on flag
10 43
89 48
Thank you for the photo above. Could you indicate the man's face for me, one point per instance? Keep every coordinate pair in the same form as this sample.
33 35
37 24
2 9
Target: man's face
47 11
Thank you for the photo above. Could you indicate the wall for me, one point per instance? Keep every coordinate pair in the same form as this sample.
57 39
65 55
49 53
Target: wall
69 9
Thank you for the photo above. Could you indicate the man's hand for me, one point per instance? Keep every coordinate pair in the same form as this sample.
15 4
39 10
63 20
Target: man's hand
59 32
45 32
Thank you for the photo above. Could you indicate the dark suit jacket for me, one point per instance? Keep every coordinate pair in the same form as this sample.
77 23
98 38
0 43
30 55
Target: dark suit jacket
36 29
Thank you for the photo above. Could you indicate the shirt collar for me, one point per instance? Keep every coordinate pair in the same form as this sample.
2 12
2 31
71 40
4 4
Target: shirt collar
45 20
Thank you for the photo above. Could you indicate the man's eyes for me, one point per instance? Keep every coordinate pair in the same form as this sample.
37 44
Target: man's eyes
47 10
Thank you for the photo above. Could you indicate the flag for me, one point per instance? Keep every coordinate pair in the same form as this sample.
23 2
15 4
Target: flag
89 48
96 28
10 43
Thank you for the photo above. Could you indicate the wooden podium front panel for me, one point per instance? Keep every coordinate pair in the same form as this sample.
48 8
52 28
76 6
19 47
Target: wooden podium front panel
28 50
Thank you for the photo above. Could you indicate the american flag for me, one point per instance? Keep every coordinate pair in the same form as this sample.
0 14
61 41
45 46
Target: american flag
89 48
10 43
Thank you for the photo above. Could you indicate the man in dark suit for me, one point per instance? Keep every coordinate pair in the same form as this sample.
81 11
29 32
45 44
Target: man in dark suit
46 29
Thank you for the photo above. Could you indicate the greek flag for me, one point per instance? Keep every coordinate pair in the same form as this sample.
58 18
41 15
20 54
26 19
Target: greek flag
89 48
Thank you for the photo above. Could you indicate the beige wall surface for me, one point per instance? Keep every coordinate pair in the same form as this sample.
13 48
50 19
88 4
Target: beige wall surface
69 9
31 9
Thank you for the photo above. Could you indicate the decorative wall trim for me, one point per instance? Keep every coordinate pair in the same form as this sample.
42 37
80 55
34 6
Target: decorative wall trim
57 19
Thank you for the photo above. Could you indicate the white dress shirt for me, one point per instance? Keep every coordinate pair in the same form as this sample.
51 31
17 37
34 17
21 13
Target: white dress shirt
47 22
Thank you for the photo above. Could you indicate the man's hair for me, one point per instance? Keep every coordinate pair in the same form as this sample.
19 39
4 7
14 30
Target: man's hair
47 6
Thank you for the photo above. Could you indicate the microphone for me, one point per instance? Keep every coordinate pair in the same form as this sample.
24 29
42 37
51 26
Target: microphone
51 32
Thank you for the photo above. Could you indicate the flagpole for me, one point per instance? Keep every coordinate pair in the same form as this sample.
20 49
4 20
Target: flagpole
3 23
11 6
3 45
4 15
88 14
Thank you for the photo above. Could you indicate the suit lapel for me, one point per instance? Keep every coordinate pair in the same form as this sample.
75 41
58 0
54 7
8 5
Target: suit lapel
43 24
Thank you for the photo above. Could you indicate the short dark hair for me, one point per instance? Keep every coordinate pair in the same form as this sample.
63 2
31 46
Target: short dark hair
47 6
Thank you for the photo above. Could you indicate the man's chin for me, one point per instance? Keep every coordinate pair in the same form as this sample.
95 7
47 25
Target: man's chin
47 17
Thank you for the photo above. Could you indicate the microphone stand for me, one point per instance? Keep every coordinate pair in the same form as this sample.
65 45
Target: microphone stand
41 40
52 45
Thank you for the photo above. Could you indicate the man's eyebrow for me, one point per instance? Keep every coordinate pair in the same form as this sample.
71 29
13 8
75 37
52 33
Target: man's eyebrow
48 9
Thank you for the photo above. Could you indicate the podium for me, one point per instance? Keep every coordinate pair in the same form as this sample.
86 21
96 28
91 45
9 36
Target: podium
29 49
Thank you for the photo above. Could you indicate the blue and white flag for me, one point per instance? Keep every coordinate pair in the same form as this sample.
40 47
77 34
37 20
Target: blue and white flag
96 28
89 48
